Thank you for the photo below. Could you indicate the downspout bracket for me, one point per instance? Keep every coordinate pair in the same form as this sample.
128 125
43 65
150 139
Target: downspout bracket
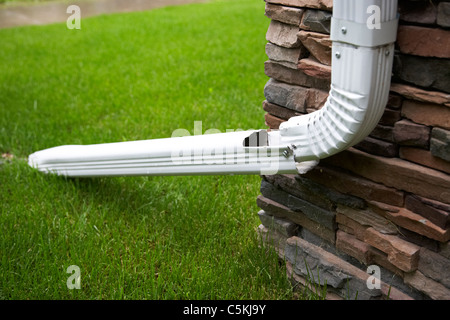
363 34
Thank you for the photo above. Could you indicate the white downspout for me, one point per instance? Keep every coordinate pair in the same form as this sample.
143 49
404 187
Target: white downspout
363 34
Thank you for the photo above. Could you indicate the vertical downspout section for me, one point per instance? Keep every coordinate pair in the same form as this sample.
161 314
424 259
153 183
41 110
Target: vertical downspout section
363 34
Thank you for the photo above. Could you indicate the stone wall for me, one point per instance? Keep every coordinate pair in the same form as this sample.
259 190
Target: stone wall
384 203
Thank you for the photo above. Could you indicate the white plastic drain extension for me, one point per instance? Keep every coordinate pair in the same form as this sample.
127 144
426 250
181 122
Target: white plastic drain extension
363 34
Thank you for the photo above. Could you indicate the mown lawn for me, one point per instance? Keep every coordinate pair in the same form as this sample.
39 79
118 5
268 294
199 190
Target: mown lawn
127 77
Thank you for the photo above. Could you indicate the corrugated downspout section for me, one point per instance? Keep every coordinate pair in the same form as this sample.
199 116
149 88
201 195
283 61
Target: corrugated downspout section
361 74
209 154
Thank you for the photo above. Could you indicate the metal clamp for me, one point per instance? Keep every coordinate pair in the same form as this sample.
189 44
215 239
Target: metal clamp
359 34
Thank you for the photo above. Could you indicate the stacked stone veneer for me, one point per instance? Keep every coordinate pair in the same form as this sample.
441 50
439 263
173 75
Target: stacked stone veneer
383 202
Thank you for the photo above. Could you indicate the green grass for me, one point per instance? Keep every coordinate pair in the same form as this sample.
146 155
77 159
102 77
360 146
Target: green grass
126 77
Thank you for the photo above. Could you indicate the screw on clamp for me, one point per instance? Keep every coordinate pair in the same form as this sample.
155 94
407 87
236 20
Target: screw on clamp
289 151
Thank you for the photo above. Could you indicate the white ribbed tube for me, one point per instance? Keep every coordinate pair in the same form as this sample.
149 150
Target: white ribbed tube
359 87
220 153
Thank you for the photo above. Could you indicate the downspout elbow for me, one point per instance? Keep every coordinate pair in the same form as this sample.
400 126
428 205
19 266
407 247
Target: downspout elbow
362 59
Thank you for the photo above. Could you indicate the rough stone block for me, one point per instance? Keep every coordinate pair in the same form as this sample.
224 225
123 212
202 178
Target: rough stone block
401 253
423 71
279 210
314 262
342 227
369 218
282 34
323 217
443 14
353 247
395 280
380 258
385 133
335 197
273 122
274 193
315 4
422 12
348 183
423 41
331 248
390 117
440 143
440 149
351 226
434 203
316 20
435 266
314 68
290 184
279 111
394 172
394 101
411 221
378 147
439 217
285 56
317 240
433 289
427 96
305 258
315 99
424 157
274 208
408 133
301 284
318 44
418 239
284 14
282 226
427 113
444 249
286 95
296 77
